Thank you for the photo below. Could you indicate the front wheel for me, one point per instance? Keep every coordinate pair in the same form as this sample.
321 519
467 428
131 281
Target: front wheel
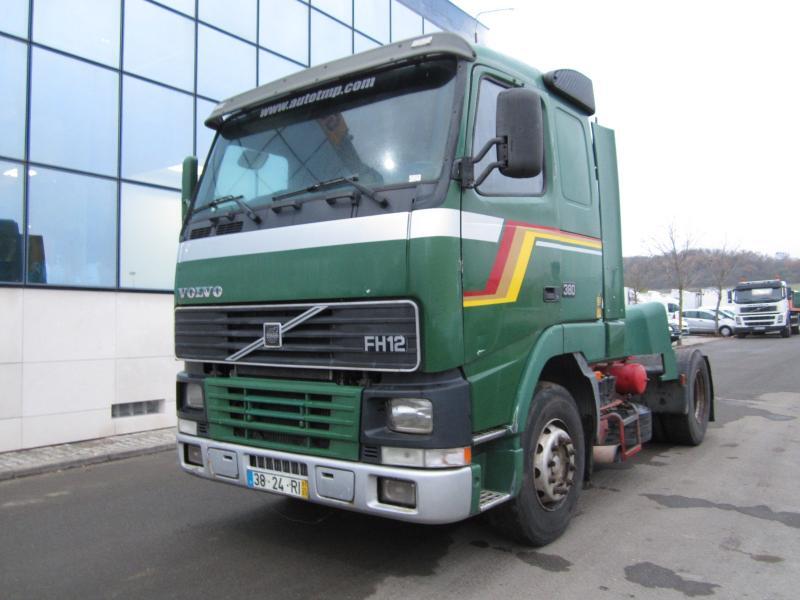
725 331
741 336
786 331
554 462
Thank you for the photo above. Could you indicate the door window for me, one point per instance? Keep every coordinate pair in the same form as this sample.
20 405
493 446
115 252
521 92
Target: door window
497 184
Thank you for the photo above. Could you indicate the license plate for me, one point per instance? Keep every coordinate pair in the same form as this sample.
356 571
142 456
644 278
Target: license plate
759 328
277 484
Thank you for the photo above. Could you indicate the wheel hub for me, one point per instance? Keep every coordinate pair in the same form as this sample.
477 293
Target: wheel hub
553 465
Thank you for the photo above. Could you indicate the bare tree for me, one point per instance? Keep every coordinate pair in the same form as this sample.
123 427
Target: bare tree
722 264
636 277
676 249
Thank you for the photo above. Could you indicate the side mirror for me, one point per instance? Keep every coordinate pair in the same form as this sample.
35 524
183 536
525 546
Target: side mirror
730 297
188 183
520 123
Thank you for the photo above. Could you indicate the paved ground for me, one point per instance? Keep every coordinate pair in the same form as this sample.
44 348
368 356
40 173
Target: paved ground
722 520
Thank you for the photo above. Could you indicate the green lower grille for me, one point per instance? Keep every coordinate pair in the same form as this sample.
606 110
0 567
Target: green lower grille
294 416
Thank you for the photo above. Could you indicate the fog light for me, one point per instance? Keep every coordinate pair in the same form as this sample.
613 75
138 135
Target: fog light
193 395
193 454
397 492
187 427
410 415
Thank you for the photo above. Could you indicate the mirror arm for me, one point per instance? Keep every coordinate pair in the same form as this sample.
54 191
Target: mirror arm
466 166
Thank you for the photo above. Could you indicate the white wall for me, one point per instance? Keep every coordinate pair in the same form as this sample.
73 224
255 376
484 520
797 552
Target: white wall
67 356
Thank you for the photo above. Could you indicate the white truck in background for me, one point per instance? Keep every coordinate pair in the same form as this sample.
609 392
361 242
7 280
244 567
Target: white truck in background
763 307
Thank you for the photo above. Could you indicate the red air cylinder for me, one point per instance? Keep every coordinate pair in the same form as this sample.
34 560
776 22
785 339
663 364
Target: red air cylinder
631 377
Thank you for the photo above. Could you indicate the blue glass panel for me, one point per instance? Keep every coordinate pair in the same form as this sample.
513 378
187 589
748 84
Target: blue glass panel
236 16
74 107
372 18
156 132
429 27
271 67
361 43
405 22
13 75
339 9
14 17
205 135
159 44
329 39
11 227
225 66
149 226
72 226
184 6
87 28
283 28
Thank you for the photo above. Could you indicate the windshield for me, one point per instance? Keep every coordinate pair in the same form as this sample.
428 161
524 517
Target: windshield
385 129
757 295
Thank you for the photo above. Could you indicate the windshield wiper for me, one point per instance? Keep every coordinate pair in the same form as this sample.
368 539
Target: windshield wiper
238 199
320 185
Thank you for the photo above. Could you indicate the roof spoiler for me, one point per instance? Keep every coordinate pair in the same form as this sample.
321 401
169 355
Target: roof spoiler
427 45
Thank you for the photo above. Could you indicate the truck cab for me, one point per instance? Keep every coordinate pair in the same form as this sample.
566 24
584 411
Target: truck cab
764 307
399 291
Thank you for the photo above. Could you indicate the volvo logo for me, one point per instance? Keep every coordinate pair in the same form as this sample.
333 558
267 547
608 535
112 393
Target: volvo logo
272 334
200 291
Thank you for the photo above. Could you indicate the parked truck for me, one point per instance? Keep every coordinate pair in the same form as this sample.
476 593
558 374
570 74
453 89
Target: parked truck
764 307
399 291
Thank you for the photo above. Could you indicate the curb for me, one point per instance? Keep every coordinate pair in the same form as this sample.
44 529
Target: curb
85 461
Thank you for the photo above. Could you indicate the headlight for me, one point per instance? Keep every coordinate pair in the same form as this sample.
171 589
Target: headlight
738 320
410 415
780 319
193 396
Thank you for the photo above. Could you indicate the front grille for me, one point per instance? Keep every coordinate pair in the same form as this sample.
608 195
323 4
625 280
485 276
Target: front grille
372 336
290 467
759 319
306 417
755 309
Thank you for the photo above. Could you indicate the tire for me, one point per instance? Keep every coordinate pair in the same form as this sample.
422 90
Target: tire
741 336
690 429
786 331
725 331
536 517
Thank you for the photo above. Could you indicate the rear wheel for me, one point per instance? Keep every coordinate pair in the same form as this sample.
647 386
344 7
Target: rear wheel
554 464
690 429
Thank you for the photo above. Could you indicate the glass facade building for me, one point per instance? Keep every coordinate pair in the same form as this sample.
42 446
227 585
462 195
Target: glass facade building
100 101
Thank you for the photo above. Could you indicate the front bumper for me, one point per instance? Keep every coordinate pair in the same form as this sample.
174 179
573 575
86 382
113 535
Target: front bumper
759 328
443 495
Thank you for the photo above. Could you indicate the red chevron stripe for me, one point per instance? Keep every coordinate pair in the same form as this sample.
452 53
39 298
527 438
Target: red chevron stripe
499 263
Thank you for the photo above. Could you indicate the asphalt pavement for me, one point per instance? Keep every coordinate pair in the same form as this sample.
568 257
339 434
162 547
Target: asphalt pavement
721 520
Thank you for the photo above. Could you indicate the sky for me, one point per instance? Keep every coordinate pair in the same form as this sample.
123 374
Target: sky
703 98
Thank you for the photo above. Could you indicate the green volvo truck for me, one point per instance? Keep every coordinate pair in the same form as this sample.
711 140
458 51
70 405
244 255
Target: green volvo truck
399 291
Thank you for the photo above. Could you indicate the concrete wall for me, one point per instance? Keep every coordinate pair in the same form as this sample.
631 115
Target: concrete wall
66 356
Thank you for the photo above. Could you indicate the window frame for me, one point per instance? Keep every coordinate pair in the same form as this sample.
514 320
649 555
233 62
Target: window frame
497 78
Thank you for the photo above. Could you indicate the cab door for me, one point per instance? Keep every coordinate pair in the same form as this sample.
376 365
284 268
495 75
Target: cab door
505 278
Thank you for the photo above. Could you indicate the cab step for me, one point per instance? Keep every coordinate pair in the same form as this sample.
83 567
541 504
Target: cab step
491 498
